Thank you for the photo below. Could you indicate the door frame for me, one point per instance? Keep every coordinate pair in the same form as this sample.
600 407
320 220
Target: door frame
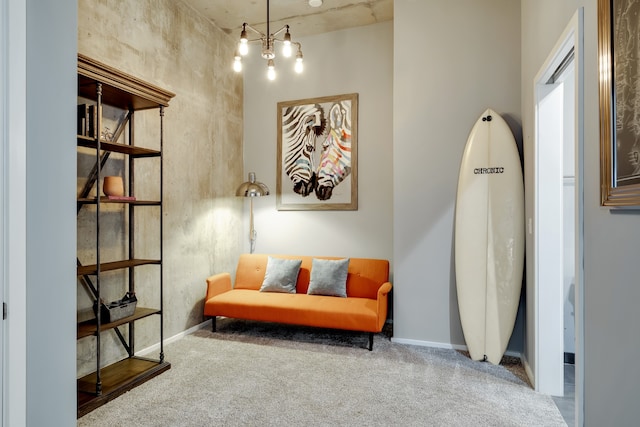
572 37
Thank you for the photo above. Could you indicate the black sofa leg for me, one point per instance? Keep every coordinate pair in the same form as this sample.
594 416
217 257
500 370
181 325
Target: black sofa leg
213 324
370 341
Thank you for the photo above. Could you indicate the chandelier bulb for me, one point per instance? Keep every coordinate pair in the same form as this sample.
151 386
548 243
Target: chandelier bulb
299 67
271 70
237 64
243 48
286 49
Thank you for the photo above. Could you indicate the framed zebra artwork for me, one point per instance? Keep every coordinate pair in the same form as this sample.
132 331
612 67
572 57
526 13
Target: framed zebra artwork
318 153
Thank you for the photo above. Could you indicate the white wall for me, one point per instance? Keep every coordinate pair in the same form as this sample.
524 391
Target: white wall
611 292
453 59
51 224
356 60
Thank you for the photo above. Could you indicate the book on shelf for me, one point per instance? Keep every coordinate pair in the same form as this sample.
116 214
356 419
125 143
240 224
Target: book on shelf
88 120
92 119
83 112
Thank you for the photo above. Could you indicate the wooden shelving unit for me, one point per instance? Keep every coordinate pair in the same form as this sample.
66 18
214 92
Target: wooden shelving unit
103 85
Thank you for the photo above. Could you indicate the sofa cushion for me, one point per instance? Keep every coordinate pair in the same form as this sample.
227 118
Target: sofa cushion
356 314
329 277
281 275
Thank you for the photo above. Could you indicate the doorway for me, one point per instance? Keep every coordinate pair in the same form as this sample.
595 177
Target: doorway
558 216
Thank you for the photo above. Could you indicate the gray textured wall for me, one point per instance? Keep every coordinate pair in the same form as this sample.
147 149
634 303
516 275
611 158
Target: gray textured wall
167 44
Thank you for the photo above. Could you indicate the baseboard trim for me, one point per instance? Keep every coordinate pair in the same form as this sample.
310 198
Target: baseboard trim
448 346
528 371
433 344
176 337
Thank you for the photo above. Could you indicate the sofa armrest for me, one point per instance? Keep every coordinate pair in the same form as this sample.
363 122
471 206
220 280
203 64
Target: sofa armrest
383 293
217 284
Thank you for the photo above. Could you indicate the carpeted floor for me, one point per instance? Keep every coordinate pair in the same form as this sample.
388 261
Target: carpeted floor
263 374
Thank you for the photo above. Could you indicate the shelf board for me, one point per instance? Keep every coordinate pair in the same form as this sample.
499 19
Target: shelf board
117 379
92 269
89 327
93 201
132 150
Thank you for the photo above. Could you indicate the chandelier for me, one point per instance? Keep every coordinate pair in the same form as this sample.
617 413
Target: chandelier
268 41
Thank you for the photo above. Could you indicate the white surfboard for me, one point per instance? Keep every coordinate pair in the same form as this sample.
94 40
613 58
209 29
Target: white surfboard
489 237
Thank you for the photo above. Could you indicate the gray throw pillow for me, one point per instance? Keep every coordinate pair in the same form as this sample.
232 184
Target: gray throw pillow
329 277
281 275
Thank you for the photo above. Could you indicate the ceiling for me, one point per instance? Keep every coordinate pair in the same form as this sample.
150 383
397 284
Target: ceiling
302 19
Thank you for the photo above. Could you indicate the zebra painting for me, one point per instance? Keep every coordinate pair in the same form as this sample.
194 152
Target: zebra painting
335 162
317 153
301 127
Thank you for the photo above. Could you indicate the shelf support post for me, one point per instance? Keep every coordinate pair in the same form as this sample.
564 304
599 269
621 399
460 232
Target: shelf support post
98 123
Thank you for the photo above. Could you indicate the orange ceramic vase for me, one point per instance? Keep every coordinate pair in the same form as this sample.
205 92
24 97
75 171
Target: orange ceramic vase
113 186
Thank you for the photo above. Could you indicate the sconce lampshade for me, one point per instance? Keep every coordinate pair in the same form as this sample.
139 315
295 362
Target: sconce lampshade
252 188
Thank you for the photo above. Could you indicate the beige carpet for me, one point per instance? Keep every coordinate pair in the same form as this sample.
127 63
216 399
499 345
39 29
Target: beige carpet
263 374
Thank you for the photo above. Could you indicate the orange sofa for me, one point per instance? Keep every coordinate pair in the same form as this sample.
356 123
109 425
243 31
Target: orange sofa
364 308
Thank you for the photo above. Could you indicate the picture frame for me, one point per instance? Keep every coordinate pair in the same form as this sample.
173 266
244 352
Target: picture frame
619 80
317 161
